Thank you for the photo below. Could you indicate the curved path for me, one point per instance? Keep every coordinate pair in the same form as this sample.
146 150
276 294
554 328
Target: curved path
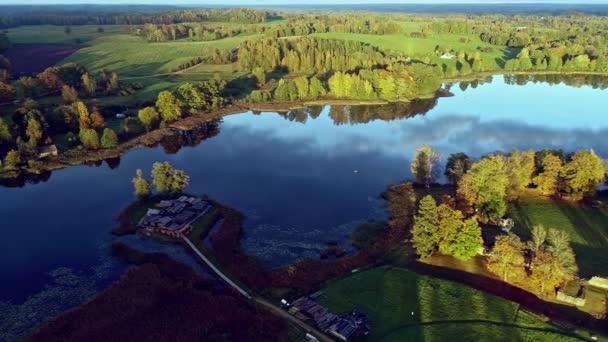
270 306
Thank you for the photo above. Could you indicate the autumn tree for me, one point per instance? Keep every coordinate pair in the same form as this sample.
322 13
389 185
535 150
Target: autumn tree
89 138
547 181
84 117
12 159
34 132
69 94
141 185
507 258
401 200
169 107
547 272
484 188
582 174
167 179
97 119
109 138
423 164
260 76
539 237
520 167
89 84
425 227
149 117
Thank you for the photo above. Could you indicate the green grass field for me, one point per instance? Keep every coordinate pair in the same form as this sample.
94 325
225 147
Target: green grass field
415 47
587 227
51 34
443 310
129 55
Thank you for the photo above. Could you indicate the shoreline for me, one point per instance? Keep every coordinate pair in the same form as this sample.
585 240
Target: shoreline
79 156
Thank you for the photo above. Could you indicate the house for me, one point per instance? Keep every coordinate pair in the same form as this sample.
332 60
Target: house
120 116
346 327
47 151
174 217
599 282
448 55
350 326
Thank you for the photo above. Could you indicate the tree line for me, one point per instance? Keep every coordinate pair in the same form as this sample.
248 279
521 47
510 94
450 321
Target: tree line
234 15
187 99
32 124
302 24
195 31
483 190
484 187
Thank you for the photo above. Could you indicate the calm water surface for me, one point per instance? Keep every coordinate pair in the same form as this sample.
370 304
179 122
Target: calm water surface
303 179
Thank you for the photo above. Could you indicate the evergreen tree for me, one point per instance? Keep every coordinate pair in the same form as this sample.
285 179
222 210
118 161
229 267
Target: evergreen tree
425 227
468 241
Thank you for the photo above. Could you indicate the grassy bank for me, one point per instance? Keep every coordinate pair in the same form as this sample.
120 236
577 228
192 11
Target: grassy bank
442 310
587 227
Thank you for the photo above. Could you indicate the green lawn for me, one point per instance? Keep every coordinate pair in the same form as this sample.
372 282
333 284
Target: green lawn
587 226
443 310
416 47
129 55
51 34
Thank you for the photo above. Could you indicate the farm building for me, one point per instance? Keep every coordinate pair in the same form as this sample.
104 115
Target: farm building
47 151
174 217
346 327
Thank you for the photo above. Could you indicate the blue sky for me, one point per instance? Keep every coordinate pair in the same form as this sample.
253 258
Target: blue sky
283 2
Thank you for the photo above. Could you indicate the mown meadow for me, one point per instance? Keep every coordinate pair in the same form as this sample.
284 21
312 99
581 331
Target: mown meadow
405 306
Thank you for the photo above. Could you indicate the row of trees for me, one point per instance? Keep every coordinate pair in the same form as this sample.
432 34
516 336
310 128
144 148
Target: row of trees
195 31
53 79
484 187
165 178
364 84
307 54
301 25
119 17
186 99
557 59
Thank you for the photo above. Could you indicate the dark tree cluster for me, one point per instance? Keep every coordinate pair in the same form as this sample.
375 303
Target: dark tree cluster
185 100
5 43
195 31
162 300
307 54
301 25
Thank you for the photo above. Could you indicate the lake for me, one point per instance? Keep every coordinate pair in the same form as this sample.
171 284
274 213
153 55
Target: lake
303 179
